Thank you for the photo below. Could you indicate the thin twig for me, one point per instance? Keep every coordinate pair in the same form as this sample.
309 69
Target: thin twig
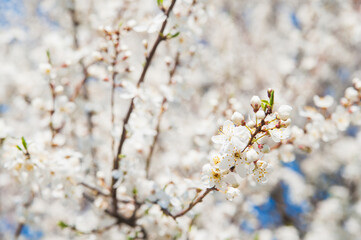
82 84
149 58
21 224
100 192
53 130
191 205
120 219
258 130
18 230
75 25
112 95
162 110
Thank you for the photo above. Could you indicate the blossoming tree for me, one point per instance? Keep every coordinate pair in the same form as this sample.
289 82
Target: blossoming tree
180 119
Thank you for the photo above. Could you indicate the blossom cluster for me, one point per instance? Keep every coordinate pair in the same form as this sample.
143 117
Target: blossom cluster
325 121
244 144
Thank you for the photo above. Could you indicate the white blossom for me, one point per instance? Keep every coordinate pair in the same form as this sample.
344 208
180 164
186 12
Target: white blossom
237 118
323 102
260 171
255 103
351 94
284 112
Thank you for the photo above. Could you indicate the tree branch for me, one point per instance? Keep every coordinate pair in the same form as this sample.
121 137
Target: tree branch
149 58
162 110
191 205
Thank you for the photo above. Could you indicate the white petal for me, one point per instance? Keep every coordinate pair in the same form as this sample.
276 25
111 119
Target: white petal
153 28
159 18
242 169
219 139
227 162
280 134
228 127
238 143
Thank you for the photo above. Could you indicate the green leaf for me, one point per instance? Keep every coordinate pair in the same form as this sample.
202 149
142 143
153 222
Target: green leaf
265 101
62 224
24 143
146 212
271 99
120 156
48 55
160 2
174 35
263 106
18 147
135 191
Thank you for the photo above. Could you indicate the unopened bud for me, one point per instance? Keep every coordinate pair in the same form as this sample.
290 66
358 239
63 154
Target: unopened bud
127 54
255 103
260 114
251 156
110 68
45 68
59 89
351 94
237 118
287 122
269 92
284 112
356 83
251 124
168 60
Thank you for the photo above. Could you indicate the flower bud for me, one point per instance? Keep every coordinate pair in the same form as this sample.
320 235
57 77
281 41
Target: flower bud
251 124
237 118
344 102
287 122
260 114
269 92
351 94
323 102
110 68
255 103
356 83
168 60
284 112
251 155
127 54
45 68
59 89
